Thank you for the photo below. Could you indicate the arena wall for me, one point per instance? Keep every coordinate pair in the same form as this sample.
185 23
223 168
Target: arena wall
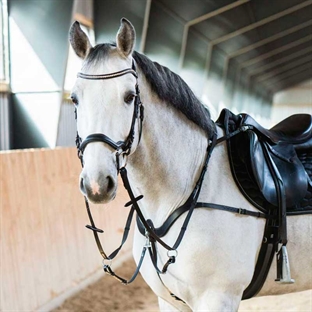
47 254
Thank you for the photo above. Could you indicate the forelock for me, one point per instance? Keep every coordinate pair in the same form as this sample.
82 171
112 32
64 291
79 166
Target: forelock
98 54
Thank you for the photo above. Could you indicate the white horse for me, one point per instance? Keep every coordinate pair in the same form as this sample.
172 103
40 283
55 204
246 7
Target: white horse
217 256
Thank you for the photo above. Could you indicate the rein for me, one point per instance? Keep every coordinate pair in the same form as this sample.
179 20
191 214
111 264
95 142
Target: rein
145 226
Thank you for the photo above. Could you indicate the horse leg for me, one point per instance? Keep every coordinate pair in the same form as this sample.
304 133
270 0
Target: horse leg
164 306
217 302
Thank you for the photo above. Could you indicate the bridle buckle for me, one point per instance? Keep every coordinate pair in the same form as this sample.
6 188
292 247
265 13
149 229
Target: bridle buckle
147 243
121 154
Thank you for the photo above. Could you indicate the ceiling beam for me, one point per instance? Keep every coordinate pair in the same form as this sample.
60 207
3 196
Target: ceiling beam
270 65
179 19
280 61
261 43
276 51
145 25
293 80
252 26
201 19
284 68
289 73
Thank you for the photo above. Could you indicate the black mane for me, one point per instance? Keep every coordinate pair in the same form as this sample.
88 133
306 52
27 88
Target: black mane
172 89
169 86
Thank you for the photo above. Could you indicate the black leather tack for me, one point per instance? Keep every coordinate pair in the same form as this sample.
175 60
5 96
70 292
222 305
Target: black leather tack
94 229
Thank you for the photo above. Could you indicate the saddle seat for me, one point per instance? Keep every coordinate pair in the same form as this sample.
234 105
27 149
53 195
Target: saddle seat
295 129
256 150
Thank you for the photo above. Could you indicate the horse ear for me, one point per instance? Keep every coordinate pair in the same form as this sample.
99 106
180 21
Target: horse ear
125 38
79 41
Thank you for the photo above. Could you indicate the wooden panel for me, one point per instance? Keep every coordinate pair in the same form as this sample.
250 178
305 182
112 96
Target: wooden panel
45 249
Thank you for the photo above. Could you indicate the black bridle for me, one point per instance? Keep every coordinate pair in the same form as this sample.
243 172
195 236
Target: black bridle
146 227
122 148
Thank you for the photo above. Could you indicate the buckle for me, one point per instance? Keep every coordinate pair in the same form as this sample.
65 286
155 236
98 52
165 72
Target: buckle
121 158
246 127
79 153
147 242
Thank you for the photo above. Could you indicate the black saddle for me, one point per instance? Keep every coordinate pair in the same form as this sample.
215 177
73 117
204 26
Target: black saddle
258 156
273 170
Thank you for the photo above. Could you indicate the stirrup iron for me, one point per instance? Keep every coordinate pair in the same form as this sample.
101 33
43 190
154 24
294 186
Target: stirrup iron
282 266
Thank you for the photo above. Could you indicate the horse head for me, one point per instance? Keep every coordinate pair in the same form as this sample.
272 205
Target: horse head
105 96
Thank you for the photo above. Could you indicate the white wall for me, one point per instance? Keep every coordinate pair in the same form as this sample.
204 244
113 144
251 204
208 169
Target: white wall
291 101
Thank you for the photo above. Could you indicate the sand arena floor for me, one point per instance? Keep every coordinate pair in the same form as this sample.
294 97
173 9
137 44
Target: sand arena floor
108 295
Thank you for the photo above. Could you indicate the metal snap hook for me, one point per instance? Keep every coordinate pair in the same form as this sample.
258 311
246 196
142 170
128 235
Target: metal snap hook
147 241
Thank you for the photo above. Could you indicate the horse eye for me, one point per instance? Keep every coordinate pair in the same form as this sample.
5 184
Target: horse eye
129 98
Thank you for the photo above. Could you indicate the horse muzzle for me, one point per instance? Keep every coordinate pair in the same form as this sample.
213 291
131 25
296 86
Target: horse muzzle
98 189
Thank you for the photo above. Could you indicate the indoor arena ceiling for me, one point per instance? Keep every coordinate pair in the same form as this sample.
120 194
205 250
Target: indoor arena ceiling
269 40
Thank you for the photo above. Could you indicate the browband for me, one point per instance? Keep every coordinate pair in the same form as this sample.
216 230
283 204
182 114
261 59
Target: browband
108 76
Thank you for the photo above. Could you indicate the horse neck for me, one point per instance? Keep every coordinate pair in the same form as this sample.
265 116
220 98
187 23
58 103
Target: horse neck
168 160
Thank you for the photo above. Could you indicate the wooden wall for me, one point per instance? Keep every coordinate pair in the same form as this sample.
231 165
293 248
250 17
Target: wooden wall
46 251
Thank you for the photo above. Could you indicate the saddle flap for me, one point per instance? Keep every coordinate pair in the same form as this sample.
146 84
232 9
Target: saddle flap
290 168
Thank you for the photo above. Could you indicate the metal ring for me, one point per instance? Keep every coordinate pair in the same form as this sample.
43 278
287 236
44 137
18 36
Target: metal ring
119 152
172 253
121 157
109 262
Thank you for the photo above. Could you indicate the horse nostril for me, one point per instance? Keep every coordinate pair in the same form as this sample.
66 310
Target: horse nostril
99 189
110 184
82 188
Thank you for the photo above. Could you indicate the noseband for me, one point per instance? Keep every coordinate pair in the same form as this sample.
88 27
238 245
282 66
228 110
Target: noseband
122 148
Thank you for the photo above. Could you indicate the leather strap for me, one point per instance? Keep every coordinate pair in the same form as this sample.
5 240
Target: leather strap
162 230
109 271
280 192
99 137
110 75
240 211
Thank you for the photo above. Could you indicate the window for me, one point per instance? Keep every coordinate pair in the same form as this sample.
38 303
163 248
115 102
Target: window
83 13
4 63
